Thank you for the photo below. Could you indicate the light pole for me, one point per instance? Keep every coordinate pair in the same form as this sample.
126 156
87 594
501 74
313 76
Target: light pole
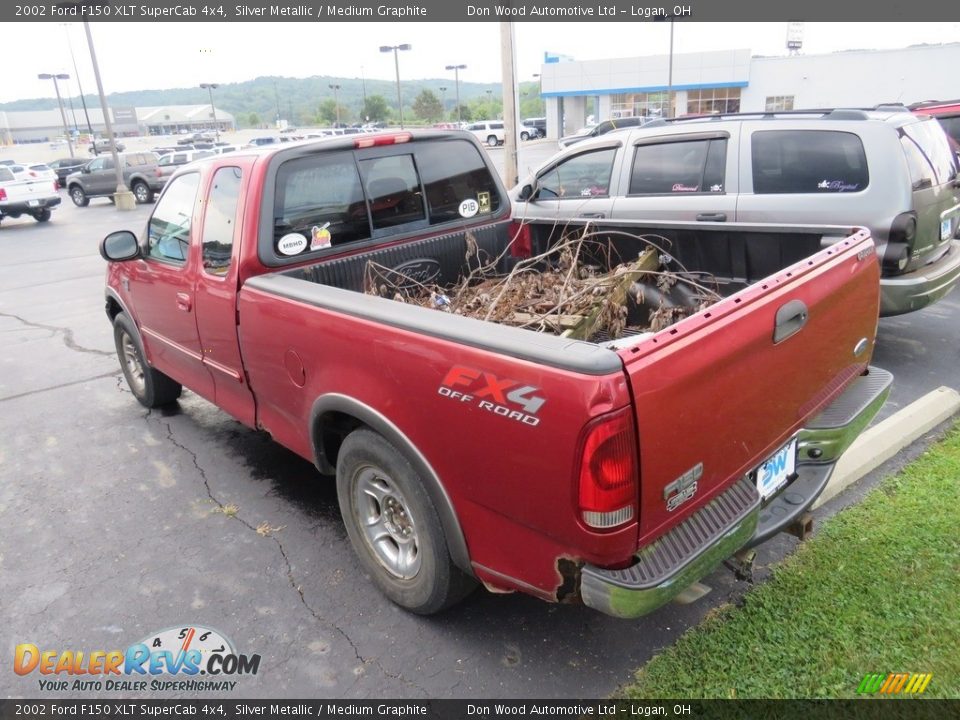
276 95
443 102
76 73
456 81
210 87
122 198
363 80
63 114
396 62
336 102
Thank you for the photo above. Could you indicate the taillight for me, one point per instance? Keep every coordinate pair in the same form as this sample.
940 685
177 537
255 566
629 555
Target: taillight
386 139
3 194
56 187
609 476
521 245
903 233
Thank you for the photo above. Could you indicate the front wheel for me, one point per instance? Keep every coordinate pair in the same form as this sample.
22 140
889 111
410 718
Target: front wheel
492 141
78 196
394 527
149 386
524 136
142 193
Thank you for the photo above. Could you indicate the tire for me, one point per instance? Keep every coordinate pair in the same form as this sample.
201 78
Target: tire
42 215
149 386
394 527
524 136
492 141
142 193
78 196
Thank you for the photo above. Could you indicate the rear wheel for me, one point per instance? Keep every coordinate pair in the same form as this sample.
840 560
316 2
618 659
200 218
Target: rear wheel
142 193
524 135
492 141
149 386
394 527
78 196
42 215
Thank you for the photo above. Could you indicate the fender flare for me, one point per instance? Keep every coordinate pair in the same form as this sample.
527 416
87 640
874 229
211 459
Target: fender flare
335 402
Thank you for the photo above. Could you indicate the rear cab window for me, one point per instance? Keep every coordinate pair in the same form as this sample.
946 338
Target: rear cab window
324 200
808 161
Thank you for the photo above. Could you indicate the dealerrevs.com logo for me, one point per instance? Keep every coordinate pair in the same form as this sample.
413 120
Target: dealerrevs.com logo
173 660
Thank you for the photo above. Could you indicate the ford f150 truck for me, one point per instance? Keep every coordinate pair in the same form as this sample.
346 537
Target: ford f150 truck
616 473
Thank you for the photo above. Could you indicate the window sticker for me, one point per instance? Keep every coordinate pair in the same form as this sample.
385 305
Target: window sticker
320 237
680 187
469 208
837 186
716 188
483 198
292 244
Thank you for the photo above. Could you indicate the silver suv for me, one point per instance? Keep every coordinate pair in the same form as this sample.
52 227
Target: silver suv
887 170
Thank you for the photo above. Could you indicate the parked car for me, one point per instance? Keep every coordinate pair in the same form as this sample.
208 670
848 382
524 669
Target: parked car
26 195
182 157
540 123
101 146
65 166
591 131
32 171
466 451
263 141
889 171
221 149
947 113
529 132
490 132
98 178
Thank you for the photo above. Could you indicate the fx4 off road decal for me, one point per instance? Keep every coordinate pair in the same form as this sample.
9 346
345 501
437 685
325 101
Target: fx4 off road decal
508 398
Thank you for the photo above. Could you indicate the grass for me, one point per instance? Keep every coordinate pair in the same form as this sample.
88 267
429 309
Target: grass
876 590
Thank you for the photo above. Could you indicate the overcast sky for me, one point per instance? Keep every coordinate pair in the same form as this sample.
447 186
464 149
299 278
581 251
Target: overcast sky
141 56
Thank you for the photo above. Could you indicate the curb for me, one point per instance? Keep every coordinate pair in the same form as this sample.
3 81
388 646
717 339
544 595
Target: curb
881 442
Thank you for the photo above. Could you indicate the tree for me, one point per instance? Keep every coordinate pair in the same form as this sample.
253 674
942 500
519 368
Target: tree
327 112
465 114
253 119
375 108
427 106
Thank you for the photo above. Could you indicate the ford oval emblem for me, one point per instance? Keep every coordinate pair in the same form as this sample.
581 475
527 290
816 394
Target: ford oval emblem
421 271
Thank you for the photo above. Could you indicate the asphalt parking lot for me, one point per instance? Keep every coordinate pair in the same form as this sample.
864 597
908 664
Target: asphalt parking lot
118 522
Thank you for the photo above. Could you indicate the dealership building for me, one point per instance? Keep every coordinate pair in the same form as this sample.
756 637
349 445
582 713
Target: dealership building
47 125
735 81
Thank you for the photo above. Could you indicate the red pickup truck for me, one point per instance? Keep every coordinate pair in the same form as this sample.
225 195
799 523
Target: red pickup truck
616 473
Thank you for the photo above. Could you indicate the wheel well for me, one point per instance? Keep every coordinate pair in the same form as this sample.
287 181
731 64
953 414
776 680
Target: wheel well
113 308
329 432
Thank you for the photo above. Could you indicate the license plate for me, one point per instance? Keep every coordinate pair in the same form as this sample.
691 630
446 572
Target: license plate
33 203
945 226
774 472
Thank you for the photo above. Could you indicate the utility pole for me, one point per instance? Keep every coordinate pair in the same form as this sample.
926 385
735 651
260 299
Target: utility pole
456 81
508 58
123 198
76 74
63 114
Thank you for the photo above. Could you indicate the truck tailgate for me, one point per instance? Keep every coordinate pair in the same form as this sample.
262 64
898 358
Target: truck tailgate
25 190
716 394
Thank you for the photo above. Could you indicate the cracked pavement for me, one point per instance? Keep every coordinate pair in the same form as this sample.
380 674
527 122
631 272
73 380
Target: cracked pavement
118 522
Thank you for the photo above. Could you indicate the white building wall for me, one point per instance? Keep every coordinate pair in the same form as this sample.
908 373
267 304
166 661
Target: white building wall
862 78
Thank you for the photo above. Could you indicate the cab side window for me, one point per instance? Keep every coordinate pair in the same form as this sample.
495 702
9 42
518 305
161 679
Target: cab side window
582 176
168 232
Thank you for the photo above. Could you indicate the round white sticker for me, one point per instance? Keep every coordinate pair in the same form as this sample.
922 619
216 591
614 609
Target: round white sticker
469 208
292 244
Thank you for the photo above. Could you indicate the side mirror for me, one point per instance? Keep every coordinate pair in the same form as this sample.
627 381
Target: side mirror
85 170
120 246
526 192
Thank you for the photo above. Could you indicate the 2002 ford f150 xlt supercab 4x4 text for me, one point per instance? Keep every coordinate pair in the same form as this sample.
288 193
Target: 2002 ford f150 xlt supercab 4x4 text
613 472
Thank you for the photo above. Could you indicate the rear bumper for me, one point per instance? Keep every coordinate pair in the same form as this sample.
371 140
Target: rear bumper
736 518
921 287
24 207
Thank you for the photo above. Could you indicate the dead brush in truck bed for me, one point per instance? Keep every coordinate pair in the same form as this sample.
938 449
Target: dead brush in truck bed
563 291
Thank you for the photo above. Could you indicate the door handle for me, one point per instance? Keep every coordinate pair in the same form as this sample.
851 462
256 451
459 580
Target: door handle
183 302
712 217
594 216
789 320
